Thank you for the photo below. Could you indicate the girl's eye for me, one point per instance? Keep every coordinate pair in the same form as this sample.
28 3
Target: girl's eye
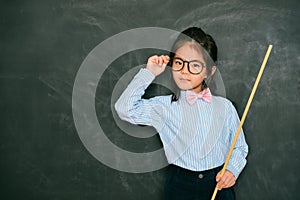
178 63
196 65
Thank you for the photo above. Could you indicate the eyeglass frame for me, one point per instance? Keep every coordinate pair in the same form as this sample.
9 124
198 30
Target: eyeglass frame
188 64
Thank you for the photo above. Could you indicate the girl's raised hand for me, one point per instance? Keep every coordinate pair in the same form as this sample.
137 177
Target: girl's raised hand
157 64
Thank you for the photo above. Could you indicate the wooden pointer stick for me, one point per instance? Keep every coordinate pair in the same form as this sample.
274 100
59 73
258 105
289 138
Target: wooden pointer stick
244 115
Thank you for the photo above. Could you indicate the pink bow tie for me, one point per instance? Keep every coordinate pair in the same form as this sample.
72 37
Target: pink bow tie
192 97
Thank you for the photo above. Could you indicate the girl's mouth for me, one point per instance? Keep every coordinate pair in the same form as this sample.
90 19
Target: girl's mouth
184 79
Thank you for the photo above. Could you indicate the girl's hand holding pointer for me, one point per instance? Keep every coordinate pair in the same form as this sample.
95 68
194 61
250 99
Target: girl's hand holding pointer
225 181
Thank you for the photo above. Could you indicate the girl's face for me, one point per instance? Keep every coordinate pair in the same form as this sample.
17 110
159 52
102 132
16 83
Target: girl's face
183 78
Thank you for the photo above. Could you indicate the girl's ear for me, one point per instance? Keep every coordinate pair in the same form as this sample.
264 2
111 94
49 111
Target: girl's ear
213 70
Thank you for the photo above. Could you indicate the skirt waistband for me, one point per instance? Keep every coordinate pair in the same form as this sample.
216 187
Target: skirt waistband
196 174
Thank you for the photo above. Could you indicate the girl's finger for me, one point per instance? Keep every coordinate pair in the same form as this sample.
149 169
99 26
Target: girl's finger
219 186
166 59
218 177
165 63
227 178
155 59
160 60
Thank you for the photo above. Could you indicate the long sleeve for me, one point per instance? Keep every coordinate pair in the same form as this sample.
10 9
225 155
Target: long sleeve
238 158
132 108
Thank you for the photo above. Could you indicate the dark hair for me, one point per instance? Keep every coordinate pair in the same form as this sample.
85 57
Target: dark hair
194 34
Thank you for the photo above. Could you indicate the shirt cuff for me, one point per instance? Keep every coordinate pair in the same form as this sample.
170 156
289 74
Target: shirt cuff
146 75
235 172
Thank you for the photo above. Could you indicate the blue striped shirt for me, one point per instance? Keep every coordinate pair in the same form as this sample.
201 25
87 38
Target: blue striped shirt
195 137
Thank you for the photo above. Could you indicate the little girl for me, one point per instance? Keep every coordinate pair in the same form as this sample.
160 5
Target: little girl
196 127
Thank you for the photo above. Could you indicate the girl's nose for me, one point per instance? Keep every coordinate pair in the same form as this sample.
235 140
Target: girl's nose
185 69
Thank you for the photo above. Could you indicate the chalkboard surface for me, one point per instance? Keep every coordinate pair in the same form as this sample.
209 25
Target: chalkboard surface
44 43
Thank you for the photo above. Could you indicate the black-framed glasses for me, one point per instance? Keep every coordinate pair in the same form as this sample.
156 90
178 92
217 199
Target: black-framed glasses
194 66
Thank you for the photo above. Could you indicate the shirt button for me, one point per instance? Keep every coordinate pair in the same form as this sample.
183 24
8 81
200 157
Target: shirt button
200 176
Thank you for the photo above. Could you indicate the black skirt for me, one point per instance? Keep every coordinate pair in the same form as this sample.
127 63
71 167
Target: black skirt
183 184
